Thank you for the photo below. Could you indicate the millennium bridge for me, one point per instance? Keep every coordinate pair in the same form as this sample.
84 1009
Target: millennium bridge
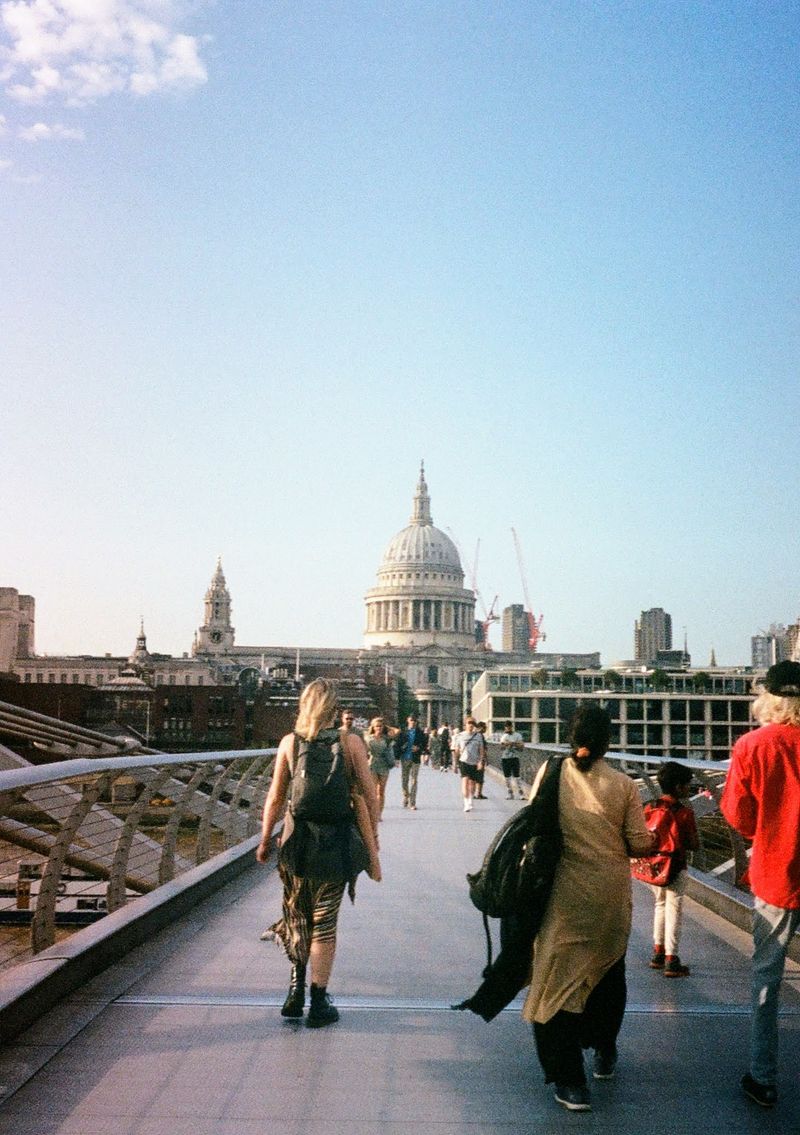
137 996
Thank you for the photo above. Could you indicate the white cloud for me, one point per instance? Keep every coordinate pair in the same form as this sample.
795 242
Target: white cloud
79 51
5 163
42 132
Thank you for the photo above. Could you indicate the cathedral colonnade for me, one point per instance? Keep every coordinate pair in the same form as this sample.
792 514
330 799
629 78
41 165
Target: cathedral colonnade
419 615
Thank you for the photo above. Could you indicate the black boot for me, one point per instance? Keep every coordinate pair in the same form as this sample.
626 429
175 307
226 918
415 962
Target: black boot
322 1010
296 997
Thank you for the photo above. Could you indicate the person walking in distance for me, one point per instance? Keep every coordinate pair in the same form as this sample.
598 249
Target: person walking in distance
435 747
761 800
381 757
444 735
317 769
512 745
409 747
480 769
468 749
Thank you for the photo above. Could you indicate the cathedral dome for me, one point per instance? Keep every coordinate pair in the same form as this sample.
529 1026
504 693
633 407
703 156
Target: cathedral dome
420 595
420 544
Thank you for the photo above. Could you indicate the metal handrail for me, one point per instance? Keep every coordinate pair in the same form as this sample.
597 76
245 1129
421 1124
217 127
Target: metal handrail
83 837
16 721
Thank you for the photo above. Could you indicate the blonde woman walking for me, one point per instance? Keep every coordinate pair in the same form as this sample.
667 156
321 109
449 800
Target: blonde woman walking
317 769
381 758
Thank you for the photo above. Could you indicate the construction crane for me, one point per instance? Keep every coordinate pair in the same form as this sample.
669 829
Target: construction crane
489 616
535 632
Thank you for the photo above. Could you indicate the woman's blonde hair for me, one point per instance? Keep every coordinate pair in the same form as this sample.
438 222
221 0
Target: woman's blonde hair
318 707
771 709
377 721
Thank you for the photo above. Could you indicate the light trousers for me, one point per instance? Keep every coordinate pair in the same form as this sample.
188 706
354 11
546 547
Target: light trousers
773 927
668 913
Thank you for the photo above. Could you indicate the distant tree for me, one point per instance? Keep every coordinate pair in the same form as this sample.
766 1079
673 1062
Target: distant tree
538 678
659 679
385 699
407 704
569 678
612 679
701 681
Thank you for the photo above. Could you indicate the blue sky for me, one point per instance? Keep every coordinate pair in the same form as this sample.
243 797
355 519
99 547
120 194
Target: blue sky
258 260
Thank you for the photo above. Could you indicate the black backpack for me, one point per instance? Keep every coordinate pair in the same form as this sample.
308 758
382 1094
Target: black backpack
320 787
522 855
514 885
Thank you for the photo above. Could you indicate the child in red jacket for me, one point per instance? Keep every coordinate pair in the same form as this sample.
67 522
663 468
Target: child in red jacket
675 781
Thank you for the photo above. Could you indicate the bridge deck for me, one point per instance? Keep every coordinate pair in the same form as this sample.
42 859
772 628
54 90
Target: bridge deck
185 1038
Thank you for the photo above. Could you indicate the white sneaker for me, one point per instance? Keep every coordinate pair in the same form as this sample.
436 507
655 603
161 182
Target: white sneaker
468 804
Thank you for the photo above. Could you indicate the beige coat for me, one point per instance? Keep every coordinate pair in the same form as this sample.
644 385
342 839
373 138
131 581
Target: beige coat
588 920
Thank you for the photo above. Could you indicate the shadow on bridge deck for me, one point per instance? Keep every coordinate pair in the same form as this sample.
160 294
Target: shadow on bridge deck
184 1037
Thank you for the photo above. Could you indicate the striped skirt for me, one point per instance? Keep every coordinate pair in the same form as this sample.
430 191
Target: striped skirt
310 912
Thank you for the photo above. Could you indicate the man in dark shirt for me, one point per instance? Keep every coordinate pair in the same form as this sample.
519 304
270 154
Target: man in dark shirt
411 744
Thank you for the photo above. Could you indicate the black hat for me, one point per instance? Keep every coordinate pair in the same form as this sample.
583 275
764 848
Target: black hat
783 679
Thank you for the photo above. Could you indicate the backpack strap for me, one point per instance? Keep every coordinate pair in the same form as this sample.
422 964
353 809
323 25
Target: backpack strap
348 763
293 758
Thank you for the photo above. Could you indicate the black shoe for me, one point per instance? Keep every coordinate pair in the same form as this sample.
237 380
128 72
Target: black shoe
322 1011
295 1001
605 1061
674 967
763 1094
574 1097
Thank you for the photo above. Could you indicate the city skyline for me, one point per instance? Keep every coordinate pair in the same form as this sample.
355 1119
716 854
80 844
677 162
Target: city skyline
256 268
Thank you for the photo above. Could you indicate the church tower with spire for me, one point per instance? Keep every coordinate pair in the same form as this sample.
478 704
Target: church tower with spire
216 635
140 658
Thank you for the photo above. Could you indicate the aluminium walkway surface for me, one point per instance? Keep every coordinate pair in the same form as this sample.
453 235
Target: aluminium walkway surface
184 1036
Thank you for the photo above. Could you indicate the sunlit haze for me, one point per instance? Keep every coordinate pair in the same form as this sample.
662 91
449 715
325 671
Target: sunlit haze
259 260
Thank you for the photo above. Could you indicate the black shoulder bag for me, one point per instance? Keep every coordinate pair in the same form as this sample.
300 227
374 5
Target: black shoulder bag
514 884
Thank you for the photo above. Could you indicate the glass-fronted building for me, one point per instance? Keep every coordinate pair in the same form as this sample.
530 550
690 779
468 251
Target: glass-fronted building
685 720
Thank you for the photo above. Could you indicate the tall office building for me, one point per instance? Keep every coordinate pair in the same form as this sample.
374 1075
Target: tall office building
516 632
652 633
769 647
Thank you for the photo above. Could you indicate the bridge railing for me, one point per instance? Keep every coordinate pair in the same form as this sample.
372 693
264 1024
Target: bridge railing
84 837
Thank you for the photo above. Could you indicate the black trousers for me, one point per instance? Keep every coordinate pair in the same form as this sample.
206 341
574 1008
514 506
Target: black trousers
560 1042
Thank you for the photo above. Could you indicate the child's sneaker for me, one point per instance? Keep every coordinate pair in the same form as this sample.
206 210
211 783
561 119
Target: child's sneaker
658 958
674 967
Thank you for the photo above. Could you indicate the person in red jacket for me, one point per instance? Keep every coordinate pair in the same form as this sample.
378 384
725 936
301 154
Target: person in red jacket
674 780
761 800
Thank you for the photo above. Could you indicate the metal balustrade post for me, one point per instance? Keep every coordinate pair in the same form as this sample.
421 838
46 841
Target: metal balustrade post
203 850
166 868
153 780
248 777
43 924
